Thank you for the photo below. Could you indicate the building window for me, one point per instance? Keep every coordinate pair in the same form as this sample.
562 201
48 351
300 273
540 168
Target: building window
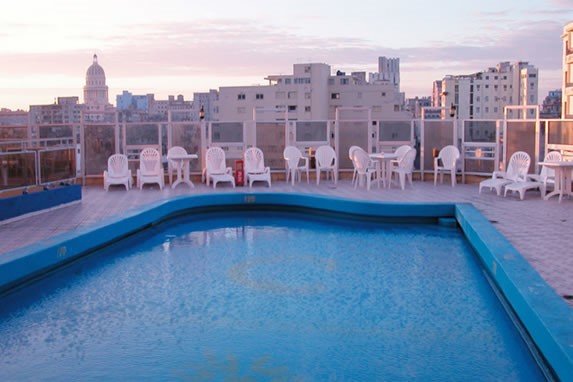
307 109
383 94
344 81
477 109
477 99
307 69
487 86
487 77
396 107
291 107
241 96
331 81
335 96
532 75
495 87
291 95
287 81
495 77
280 95
495 109
307 95
486 98
259 96
487 109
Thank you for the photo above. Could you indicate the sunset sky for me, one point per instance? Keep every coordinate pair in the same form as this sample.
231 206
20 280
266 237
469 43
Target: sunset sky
180 47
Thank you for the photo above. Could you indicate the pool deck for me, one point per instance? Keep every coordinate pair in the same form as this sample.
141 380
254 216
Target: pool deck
542 231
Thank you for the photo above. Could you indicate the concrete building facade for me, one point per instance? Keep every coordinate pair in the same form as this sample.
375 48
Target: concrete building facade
310 93
484 95
567 91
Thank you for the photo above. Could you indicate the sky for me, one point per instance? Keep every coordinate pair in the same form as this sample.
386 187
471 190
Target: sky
173 47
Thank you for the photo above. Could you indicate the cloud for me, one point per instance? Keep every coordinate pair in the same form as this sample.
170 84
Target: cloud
231 48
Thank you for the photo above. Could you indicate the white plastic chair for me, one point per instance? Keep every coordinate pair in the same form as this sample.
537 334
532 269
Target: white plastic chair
326 162
172 166
255 169
351 156
448 157
117 172
216 169
363 168
150 168
293 157
516 172
404 168
400 152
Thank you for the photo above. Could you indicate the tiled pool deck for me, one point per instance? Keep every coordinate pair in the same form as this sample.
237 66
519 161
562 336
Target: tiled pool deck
541 230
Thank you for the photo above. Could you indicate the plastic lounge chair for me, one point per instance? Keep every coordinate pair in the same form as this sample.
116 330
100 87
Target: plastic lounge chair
404 168
117 172
293 157
150 168
172 165
516 172
326 162
547 175
255 169
216 169
364 167
448 157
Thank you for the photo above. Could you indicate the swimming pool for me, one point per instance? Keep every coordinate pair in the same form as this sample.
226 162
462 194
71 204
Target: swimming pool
261 276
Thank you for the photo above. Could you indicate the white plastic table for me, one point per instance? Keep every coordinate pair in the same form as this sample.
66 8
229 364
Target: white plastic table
183 169
562 178
386 160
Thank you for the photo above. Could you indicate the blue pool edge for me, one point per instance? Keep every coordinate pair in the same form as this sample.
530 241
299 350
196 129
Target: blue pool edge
546 317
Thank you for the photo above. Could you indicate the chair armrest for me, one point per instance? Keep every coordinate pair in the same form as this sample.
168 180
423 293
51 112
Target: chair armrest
229 171
534 177
436 160
498 174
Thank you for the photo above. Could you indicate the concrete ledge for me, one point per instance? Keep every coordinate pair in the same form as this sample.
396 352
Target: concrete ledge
17 206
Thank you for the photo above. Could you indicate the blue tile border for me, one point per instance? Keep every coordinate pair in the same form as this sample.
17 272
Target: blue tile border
547 318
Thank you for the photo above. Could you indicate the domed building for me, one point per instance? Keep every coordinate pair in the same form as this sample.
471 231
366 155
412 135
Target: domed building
96 97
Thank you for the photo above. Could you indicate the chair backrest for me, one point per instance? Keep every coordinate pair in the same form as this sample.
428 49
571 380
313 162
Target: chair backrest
360 160
150 161
215 160
449 156
351 151
407 161
548 172
401 151
518 166
254 160
325 157
117 166
292 156
175 151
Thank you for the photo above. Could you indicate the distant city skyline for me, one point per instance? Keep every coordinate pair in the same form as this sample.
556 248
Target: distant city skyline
181 47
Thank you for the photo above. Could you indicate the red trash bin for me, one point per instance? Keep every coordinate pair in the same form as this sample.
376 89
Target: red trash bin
239 172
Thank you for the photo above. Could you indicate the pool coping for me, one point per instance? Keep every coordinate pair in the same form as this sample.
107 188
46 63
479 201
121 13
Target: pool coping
546 317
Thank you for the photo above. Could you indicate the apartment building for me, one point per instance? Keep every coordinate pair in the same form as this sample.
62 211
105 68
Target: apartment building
65 110
567 93
310 93
484 95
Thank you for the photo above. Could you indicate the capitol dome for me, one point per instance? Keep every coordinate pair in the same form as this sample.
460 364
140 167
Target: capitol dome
95 90
95 74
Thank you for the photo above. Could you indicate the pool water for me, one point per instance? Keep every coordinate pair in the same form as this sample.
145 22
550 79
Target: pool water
266 296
